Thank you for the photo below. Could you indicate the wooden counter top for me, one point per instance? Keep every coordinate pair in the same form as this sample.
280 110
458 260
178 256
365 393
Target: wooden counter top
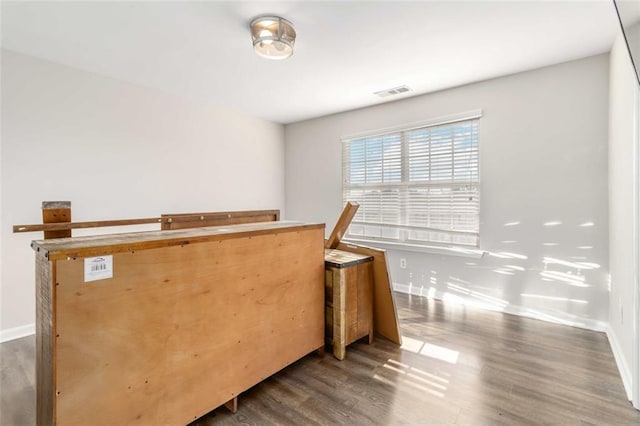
98 245
344 259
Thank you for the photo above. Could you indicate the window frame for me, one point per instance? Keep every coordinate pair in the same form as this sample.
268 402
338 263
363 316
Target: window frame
402 241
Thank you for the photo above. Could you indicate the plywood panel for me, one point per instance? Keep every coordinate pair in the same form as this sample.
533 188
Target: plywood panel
385 316
96 245
180 330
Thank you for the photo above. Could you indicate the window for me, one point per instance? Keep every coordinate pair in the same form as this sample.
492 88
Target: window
415 186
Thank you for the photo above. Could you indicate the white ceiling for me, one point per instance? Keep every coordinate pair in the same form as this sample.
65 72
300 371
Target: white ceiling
345 50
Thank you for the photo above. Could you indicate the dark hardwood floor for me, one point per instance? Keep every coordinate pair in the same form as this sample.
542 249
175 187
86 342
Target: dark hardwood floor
457 366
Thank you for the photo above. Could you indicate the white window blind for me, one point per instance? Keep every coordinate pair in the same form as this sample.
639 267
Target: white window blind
415 186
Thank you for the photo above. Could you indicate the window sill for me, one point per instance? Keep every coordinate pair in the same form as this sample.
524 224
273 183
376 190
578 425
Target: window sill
474 253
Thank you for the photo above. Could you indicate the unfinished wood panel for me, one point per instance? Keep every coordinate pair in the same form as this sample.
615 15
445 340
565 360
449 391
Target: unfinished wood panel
58 218
339 312
232 405
68 226
342 259
385 314
97 245
342 225
45 332
359 301
328 302
54 212
196 220
350 277
348 299
182 329
365 300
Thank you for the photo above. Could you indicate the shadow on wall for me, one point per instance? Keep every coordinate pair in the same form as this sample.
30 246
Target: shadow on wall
552 281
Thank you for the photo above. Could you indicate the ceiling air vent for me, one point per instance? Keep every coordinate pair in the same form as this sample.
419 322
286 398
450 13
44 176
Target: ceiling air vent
394 91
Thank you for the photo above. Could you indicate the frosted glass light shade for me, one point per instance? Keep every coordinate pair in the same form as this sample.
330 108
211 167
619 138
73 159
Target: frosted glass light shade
273 37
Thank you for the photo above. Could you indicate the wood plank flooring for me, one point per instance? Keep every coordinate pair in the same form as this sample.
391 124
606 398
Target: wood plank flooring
458 366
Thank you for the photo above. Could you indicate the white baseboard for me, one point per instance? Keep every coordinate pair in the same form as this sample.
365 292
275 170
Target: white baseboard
491 305
17 332
623 367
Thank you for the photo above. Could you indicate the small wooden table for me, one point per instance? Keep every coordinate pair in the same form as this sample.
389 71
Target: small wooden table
348 299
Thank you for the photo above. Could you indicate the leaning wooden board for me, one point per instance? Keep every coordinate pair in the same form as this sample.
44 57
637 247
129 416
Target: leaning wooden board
189 320
385 314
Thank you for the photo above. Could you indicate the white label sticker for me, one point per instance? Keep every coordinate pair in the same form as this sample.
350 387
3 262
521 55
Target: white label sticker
98 268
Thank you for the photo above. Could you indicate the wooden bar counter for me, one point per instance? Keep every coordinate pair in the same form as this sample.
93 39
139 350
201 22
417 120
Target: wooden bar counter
162 327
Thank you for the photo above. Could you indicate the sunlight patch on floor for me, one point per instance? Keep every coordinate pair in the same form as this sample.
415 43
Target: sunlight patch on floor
429 350
395 372
422 372
409 383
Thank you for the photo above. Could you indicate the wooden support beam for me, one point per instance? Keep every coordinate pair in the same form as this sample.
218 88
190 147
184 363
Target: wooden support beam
68 226
232 405
56 212
342 225
167 221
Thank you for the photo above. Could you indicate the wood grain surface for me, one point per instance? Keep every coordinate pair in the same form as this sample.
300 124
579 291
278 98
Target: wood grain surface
181 329
61 212
68 226
56 212
98 245
342 225
196 220
385 316
45 343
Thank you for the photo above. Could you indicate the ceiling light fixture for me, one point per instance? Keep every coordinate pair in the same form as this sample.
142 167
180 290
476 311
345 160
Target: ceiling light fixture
273 37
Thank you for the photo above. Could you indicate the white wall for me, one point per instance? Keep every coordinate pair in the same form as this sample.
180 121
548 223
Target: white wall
623 117
117 151
543 155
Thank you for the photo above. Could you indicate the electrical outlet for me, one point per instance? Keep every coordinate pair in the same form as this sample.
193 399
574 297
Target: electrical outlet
403 263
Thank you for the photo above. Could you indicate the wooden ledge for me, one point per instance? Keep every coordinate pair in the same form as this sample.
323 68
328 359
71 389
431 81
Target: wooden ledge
98 245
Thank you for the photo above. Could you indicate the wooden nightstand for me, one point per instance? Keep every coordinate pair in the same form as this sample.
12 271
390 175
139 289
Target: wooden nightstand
348 299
